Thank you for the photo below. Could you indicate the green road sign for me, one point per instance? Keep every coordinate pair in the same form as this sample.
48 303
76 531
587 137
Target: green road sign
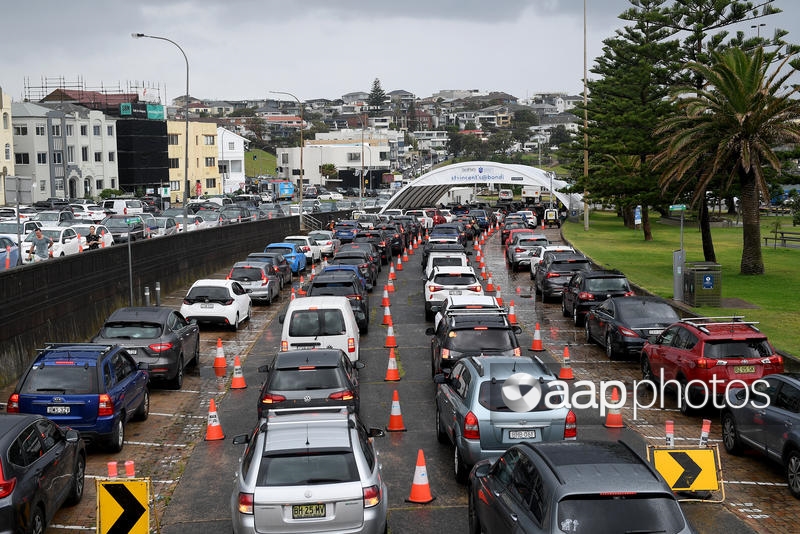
677 207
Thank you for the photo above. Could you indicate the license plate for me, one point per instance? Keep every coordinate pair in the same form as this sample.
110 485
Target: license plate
654 332
522 434
744 369
206 305
455 291
58 410
133 351
308 511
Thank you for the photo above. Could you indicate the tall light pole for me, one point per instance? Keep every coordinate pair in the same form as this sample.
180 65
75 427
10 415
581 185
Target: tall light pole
758 29
186 120
361 178
585 129
302 177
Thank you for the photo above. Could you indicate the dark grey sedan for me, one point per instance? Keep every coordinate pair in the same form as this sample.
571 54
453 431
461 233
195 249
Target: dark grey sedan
156 335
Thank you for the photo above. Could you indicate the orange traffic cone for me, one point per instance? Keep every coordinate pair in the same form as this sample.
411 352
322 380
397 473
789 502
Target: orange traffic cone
8 258
219 360
294 295
237 382
420 488
300 289
512 314
103 239
392 274
387 317
214 429
414 245
400 262
80 244
536 345
566 370
390 285
390 340
395 417
483 272
614 417
392 374
475 245
385 300
490 283
405 254
498 296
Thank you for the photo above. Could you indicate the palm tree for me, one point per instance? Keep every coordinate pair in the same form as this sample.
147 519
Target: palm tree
728 129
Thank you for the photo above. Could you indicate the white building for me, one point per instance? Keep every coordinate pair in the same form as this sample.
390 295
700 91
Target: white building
68 150
232 147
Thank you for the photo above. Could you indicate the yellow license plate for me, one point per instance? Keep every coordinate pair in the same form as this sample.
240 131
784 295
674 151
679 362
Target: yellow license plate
308 511
744 369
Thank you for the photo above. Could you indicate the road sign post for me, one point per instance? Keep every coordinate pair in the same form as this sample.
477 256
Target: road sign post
678 259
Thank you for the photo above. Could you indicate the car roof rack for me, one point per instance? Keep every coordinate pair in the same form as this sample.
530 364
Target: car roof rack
455 311
730 320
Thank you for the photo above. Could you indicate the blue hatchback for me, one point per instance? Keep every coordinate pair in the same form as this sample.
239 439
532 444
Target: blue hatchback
93 388
291 251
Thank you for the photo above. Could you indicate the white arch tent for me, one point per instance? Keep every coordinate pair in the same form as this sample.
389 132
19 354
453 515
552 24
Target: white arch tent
432 186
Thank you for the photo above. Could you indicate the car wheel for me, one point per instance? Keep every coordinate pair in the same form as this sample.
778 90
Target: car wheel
564 311
474 522
236 323
117 438
730 435
514 267
195 361
143 411
37 523
249 312
577 318
587 331
177 380
687 396
78 479
647 371
609 346
793 472
461 469
428 315
441 435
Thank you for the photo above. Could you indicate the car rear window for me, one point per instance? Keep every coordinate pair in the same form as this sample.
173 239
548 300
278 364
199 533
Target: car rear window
455 279
246 274
448 262
490 396
532 242
132 330
301 242
640 512
302 468
286 251
65 379
309 323
570 265
349 260
484 339
337 289
208 294
607 284
302 379
750 348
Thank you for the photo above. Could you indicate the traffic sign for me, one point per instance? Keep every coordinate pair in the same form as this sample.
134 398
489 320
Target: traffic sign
687 469
677 207
123 506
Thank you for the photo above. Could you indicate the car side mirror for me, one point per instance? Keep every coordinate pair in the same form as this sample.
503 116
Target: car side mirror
376 432
263 368
241 439
281 318
517 329
358 364
430 331
72 436
482 469
440 378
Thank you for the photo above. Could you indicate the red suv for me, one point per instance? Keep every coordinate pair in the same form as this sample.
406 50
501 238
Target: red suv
694 351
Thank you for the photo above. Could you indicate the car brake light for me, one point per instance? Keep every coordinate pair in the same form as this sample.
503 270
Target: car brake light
7 486
271 398
105 406
571 426
471 428
705 363
188 302
476 289
160 347
13 404
434 289
264 279
629 294
342 395
284 346
228 302
616 493
351 344
445 354
517 351
480 328
552 275
354 297
372 496
306 249
585 295
627 332
245 503
229 275
519 249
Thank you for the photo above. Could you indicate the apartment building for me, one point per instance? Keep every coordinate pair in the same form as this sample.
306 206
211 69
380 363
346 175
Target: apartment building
6 143
203 174
231 159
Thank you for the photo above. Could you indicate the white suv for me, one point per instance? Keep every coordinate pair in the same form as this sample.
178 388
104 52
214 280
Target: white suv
446 281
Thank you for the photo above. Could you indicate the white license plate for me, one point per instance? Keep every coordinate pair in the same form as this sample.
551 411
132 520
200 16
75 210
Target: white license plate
206 305
455 291
58 410
522 434
133 351
654 332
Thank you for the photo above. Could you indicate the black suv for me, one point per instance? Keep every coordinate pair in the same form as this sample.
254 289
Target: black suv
380 239
123 226
555 271
465 333
397 235
344 284
569 485
589 288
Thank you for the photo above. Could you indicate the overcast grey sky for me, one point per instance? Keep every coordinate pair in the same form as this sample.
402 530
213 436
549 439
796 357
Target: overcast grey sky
315 48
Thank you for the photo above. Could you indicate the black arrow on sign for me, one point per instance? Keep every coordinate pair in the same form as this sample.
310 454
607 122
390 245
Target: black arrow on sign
690 470
132 509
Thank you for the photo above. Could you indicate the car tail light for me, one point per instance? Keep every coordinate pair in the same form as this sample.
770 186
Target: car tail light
7 486
571 426
445 354
305 249
585 295
345 395
264 279
627 332
228 302
351 344
160 347
105 406
284 346
434 289
13 404
552 275
629 294
271 398
229 275
775 360
363 266
372 496
617 493
517 351
519 249
705 363
476 289
245 503
354 297
471 428
188 302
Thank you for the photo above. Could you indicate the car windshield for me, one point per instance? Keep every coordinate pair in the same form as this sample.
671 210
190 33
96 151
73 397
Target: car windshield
311 323
118 224
606 284
123 330
643 312
748 348
208 294
307 468
66 379
482 339
304 379
640 512
344 228
454 279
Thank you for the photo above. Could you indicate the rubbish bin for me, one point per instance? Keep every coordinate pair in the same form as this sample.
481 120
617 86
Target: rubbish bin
702 283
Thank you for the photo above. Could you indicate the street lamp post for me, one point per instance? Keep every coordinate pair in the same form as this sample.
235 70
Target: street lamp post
758 29
302 177
186 120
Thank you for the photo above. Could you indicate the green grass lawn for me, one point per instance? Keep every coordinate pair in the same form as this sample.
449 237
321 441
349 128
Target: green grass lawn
649 264
264 163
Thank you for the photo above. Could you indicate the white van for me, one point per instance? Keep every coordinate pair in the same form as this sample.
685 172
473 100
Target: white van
324 322
123 206
445 259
